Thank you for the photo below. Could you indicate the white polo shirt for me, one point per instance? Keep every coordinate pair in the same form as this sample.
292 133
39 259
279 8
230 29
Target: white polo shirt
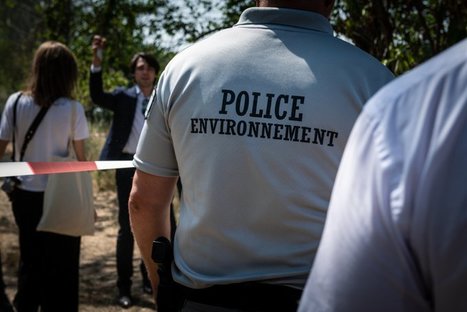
396 234
254 119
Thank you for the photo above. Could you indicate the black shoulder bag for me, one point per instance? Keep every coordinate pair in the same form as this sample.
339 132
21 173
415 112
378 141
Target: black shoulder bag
10 183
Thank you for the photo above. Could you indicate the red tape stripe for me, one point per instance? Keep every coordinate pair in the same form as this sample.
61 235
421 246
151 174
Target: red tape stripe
61 167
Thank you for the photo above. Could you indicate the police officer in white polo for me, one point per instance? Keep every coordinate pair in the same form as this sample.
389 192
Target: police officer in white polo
254 120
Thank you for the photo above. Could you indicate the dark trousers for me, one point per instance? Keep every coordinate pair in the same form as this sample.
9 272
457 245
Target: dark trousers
60 272
125 241
48 274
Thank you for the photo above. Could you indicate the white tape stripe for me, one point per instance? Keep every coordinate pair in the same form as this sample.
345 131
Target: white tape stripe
14 169
8 169
116 164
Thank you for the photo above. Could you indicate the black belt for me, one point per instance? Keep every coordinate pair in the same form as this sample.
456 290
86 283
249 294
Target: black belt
250 296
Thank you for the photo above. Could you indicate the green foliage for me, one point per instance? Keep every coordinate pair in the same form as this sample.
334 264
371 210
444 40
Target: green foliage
233 9
402 33
17 18
193 20
126 25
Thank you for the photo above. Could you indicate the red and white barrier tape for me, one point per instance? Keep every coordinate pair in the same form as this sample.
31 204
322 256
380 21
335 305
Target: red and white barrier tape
8 169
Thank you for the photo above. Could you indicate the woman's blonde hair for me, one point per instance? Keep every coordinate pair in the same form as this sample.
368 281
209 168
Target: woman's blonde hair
54 73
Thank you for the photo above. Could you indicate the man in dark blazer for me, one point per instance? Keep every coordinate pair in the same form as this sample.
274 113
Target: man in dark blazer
128 106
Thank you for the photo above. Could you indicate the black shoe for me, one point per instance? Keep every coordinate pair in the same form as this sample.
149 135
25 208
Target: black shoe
125 301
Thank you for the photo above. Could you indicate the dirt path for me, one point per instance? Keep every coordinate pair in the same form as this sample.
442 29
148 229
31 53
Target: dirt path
98 271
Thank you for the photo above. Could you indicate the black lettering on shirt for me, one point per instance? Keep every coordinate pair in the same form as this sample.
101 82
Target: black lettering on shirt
263 130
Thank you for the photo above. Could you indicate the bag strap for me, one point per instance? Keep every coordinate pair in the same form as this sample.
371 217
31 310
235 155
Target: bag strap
15 104
71 151
32 130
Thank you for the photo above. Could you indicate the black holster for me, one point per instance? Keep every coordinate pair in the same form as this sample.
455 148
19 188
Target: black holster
169 296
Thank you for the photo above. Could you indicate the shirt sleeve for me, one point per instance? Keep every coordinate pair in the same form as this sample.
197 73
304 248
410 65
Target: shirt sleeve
395 234
155 152
6 127
81 130
363 263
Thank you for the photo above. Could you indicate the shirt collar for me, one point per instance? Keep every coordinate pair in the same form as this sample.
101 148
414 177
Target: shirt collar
139 94
286 17
137 90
